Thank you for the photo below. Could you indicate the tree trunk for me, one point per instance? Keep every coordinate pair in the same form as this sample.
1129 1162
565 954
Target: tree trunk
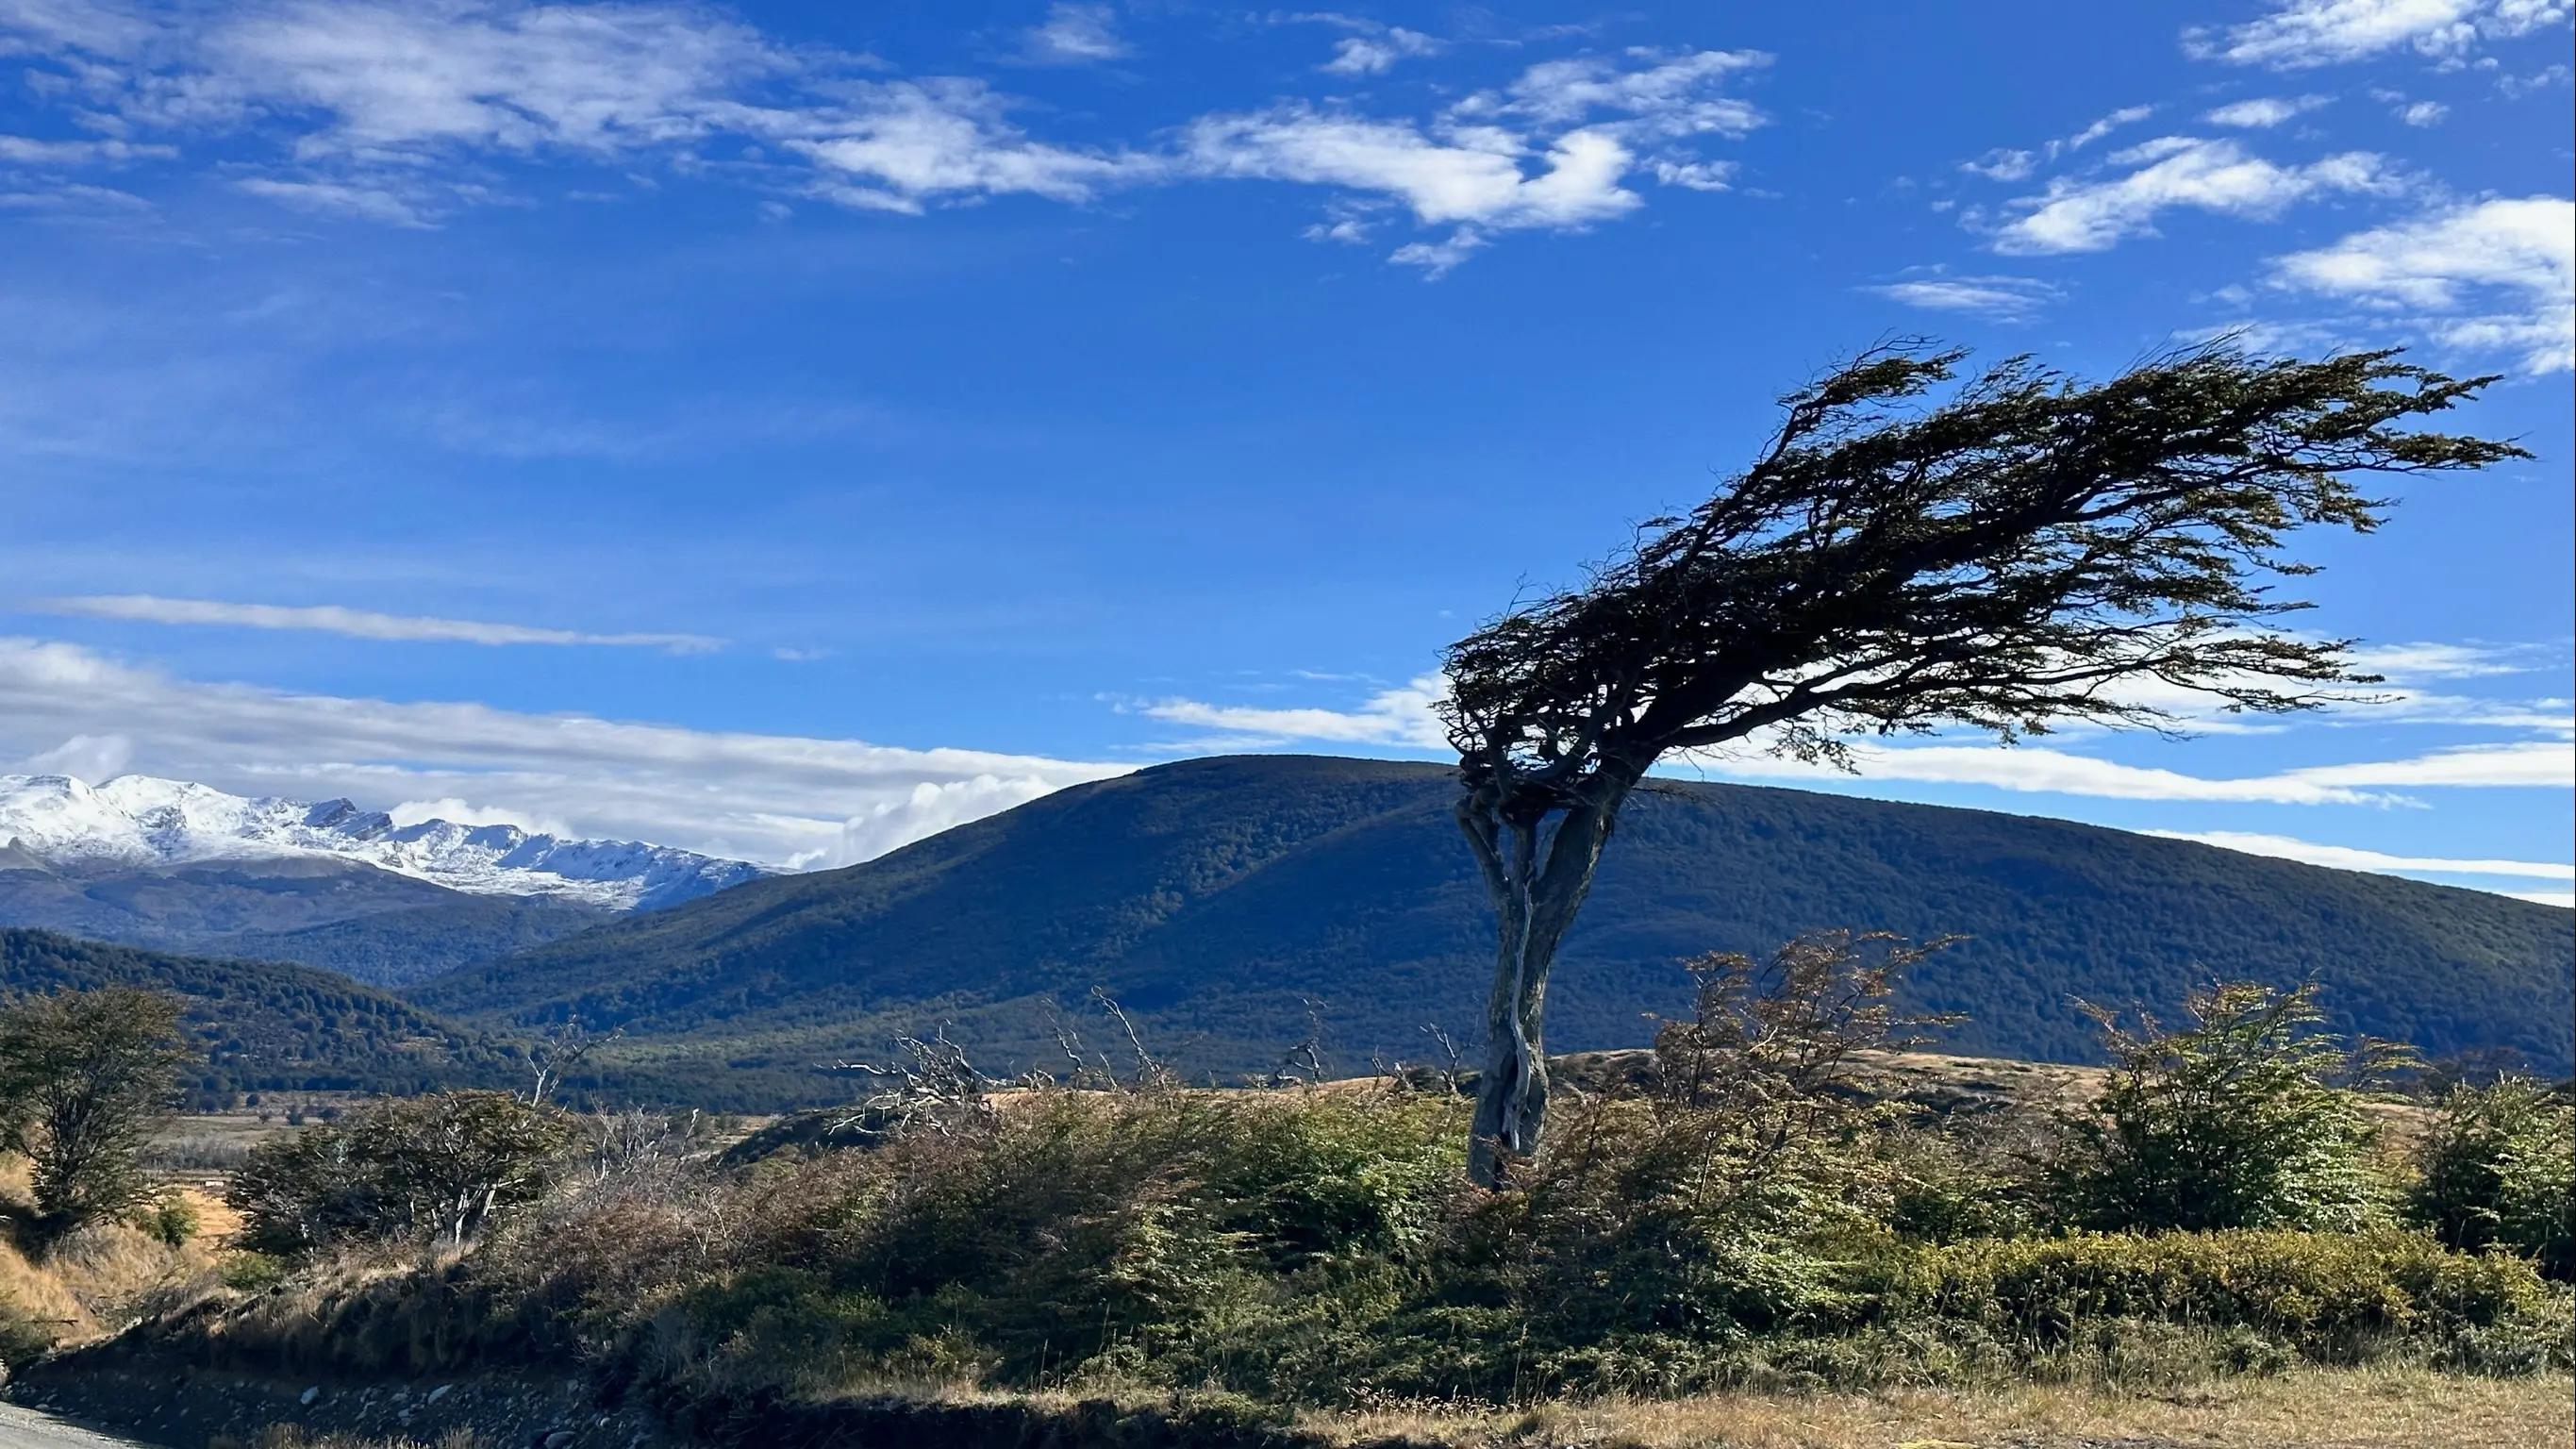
1537 880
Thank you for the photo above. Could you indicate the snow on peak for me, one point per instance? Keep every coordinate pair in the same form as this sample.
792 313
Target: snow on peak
137 820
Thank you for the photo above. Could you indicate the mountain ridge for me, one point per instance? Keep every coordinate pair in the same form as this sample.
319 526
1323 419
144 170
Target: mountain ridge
1215 898
142 821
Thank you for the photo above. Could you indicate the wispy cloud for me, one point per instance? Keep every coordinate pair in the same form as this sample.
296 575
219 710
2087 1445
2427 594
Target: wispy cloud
2008 299
2304 34
1377 53
783 799
1405 718
1400 716
1075 35
900 144
2264 112
2491 277
389 113
357 623
33 151
2005 163
2095 213
2345 857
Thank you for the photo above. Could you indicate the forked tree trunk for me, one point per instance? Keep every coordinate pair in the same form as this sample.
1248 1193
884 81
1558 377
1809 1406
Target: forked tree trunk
1536 878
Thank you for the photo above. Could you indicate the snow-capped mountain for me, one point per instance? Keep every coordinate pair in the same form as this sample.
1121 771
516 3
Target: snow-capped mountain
136 821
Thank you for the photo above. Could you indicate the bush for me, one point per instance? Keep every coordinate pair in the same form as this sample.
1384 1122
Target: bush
2334 1295
2232 1121
431 1167
2498 1169
173 1220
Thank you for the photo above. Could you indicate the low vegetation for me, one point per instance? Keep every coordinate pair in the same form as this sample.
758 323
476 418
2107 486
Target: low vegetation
1744 1222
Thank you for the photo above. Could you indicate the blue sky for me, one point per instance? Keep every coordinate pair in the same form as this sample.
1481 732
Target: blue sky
785 430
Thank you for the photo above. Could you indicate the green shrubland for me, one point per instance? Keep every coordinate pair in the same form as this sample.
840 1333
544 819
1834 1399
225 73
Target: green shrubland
1745 1218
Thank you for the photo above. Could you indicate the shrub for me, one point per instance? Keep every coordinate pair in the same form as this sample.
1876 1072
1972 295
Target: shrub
2498 1169
2330 1293
2232 1121
440 1166
249 1272
172 1220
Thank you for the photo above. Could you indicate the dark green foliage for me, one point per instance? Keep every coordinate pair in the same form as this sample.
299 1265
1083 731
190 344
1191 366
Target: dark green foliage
396 948
172 1220
1311 1246
86 1079
1213 898
266 1026
1908 556
437 1167
2333 1293
2235 1120
2499 1170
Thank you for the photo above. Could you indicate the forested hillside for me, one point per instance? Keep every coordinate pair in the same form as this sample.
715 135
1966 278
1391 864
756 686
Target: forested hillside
1217 898
269 1026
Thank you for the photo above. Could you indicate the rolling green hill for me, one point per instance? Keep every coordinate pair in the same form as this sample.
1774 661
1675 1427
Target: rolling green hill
1214 898
269 1026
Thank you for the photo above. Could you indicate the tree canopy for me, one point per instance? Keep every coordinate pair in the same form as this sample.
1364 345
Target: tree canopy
2027 550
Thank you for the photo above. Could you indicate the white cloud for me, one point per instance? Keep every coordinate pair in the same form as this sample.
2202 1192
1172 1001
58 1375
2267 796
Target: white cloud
464 812
1075 35
1402 715
762 797
2549 77
2029 769
342 198
2564 900
2345 857
2095 213
1435 258
599 78
927 809
1475 178
2495 276
1658 93
356 623
31 151
1697 175
385 112
1377 53
83 757
2301 34
2263 112
2014 164
2002 164
2428 659
2125 116
2423 113
2536 764
1404 718
2010 299
910 141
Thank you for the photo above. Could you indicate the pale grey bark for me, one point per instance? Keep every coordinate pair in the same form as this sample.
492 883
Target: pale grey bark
1536 878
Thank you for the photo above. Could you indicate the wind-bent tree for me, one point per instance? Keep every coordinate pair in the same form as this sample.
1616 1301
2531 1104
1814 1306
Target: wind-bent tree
2028 551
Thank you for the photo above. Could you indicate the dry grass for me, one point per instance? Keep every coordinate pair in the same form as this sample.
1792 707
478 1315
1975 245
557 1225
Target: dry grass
99 1278
2309 1409
41 1295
